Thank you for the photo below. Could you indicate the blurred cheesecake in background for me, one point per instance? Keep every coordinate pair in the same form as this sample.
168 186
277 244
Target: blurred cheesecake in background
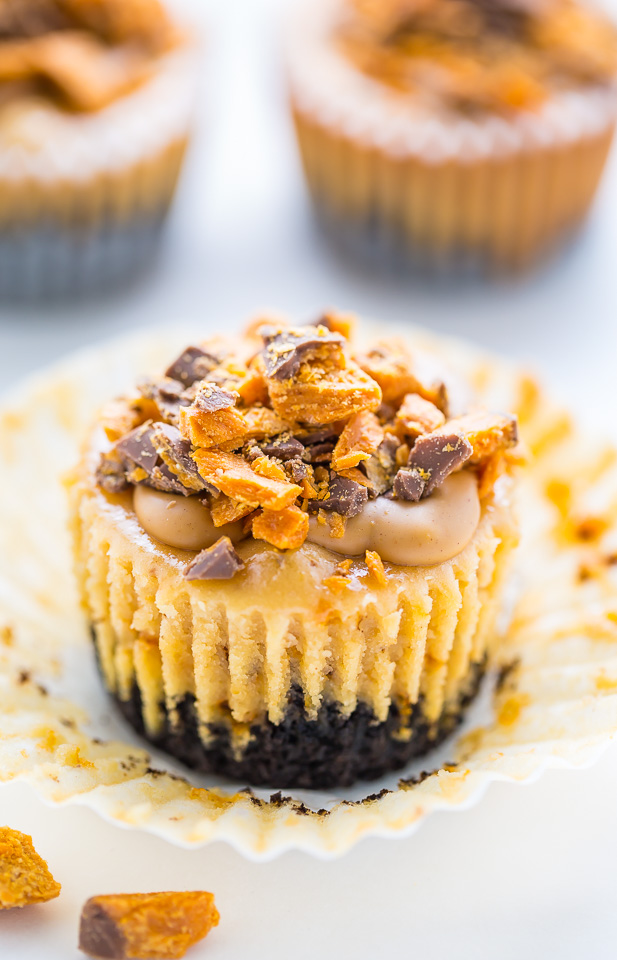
452 132
96 100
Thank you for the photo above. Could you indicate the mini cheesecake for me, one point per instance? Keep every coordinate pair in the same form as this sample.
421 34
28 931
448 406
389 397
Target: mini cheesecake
96 103
292 552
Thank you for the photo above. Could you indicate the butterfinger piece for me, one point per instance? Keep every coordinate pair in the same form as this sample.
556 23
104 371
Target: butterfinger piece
359 440
328 394
435 457
399 374
150 926
343 323
121 416
375 565
218 562
285 529
417 416
212 418
233 476
24 875
488 433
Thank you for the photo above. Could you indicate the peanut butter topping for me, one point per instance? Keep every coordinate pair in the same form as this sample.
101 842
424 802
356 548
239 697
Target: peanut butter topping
496 55
410 534
289 435
184 523
81 54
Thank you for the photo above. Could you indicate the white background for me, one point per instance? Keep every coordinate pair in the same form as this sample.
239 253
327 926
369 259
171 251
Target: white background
529 872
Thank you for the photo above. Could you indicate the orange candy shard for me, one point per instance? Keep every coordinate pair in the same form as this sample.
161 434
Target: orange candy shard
285 529
417 416
375 565
233 476
24 875
398 374
360 438
327 394
488 433
149 926
212 418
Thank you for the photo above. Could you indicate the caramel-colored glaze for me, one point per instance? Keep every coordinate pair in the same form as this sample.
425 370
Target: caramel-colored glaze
181 522
411 534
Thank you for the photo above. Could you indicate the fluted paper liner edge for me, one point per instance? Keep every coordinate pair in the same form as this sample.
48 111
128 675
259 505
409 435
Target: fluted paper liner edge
555 703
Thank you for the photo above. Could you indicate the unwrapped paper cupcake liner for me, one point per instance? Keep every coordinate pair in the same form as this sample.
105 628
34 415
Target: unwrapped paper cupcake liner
83 197
550 699
395 180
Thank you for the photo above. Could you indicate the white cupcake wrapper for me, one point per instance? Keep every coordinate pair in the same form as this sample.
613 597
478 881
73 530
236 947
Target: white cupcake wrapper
557 708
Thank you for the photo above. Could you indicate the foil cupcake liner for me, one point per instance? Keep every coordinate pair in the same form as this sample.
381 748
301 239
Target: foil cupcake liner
83 198
395 182
553 703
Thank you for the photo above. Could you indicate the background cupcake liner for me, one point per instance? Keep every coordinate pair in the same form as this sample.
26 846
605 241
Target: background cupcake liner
83 197
396 180
555 703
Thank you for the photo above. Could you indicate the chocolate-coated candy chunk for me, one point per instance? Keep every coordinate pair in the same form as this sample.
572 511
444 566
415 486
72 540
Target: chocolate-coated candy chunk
252 451
169 395
137 447
319 445
284 447
324 435
408 485
153 926
192 365
288 349
111 473
175 451
99 935
296 470
381 467
211 398
345 497
319 452
435 456
218 562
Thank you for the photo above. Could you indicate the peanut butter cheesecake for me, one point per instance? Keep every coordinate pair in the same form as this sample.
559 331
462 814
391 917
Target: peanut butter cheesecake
95 110
456 132
292 551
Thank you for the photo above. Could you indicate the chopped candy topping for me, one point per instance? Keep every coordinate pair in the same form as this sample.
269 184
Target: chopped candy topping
149 925
319 435
24 876
218 562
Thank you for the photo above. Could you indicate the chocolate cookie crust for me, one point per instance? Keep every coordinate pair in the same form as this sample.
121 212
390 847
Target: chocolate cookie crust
332 751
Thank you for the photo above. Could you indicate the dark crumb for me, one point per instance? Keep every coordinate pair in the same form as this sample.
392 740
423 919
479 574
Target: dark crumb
24 676
505 672
332 751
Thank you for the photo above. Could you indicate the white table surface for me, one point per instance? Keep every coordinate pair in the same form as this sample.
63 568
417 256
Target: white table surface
528 872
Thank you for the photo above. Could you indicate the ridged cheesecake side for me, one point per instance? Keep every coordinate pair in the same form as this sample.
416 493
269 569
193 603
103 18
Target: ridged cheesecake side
278 659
